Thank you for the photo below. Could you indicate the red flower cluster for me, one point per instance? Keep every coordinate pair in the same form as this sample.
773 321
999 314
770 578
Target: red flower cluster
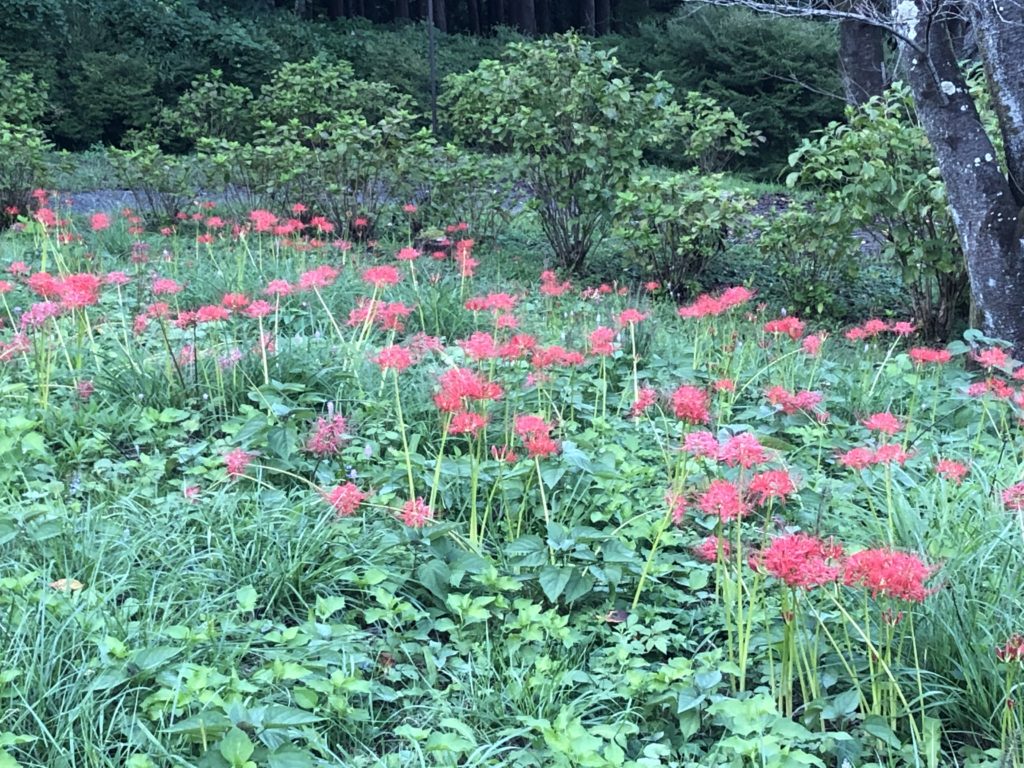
551 286
711 306
800 561
710 548
883 422
416 513
792 402
536 435
690 404
952 470
602 341
925 355
381 276
862 457
459 385
345 499
874 327
236 461
1013 497
790 326
645 398
889 573
327 436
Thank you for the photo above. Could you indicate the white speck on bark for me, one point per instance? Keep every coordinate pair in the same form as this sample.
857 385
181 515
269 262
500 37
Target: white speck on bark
906 16
947 87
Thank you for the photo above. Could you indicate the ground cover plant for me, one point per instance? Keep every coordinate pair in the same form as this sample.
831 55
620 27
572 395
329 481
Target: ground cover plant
278 494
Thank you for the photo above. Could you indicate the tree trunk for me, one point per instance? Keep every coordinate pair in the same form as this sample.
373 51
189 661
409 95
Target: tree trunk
603 20
473 10
588 17
981 199
527 17
861 60
496 12
401 10
544 16
440 15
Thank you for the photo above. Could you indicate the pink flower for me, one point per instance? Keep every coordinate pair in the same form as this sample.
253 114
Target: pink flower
394 357
345 499
630 317
601 341
165 286
536 435
99 221
711 549
1013 497
812 344
381 276
993 357
1012 651
278 288
645 398
700 442
790 326
328 436
923 355
883 422
467 423
952 470
743 450
318 277
416 513
236 461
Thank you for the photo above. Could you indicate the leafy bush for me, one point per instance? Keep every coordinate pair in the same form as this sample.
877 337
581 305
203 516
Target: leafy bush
878 173
162 183
23 147
776 74
576 122
812 260
673 225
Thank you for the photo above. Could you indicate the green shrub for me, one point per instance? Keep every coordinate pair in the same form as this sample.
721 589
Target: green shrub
878 174
777 74
162 183
577 123
23 147
675 224
812 259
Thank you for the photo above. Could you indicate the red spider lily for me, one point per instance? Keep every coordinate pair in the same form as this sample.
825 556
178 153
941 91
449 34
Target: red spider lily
889 573
869 330
800 561
701 443
262 221
952 470
723 500
461 384
991 386
345 499
724 385
394 357
630 317
550 285
548 357
212 313
857 458
769 485
690 404
504 454
84 389
713 548
601 341
743 450
165 286
381 276
318 277
517 347
18 268
258 308
536 436
116 278
407 254
36 315
790 326
81 290
645 398
44 284
883 422
493 302
1013 497
46 217
236 461
278 288
416 513
99 221
328 436
812 344
993 357
926 355
479 346
467 423
792 402
709 306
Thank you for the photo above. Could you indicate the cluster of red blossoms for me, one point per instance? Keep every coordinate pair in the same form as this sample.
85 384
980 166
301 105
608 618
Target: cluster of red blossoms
1012 651
712 306
875 327
536 435
801 561
730 501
